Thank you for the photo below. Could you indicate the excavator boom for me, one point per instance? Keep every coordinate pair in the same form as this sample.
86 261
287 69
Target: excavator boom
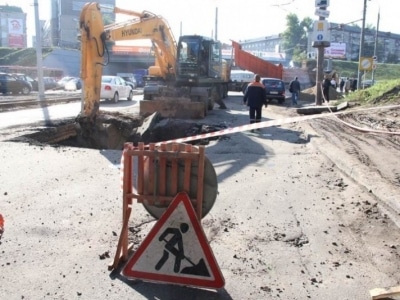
92 49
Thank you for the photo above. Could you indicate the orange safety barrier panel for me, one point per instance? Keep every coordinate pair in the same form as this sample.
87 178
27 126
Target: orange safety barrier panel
151 175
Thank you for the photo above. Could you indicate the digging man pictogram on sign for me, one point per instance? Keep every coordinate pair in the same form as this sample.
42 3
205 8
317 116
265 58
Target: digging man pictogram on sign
174 246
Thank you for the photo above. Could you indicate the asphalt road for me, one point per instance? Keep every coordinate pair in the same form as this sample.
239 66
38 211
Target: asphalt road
287 222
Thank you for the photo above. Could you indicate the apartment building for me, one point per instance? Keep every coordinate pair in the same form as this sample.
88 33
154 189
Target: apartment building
345 44
63 27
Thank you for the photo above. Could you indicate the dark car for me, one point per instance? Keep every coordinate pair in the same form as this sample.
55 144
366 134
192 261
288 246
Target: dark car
139 80
27 78
11 84
275 89
130 81
49 82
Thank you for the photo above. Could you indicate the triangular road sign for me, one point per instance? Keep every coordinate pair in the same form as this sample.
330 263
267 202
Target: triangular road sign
176 250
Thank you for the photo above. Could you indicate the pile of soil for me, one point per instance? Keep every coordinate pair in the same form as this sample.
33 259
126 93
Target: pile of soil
310 93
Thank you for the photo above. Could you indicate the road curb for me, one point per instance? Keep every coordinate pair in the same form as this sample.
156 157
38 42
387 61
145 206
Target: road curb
385 192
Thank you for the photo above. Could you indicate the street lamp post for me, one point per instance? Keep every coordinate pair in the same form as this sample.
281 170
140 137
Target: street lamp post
39 52
361 45
376 45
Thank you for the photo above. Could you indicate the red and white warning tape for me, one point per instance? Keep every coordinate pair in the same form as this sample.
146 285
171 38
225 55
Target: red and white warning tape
276 123
240 129
269 124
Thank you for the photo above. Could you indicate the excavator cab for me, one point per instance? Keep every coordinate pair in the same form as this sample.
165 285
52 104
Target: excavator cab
198 59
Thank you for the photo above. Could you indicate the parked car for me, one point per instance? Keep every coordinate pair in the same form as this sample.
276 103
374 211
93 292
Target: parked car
239 80
114 88
48 82
129 78
275 89
139 80
62 81
10 84
27 78
73 84
131 81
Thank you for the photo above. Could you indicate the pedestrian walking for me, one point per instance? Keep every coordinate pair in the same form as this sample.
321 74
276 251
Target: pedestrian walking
294 88
255 97
325 88
347 86
341 85
354 85
334 83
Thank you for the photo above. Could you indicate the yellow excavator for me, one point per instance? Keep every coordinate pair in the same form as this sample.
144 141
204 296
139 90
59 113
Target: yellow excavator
186 80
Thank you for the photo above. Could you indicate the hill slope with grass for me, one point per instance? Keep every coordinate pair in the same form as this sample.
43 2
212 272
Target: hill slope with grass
21 57
350 69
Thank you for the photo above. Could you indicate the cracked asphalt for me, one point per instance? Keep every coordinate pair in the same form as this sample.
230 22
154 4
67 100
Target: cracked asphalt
289 221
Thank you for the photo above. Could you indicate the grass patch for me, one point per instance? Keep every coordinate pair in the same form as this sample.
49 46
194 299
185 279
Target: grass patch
383 92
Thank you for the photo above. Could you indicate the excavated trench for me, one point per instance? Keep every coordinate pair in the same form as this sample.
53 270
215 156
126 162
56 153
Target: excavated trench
113 130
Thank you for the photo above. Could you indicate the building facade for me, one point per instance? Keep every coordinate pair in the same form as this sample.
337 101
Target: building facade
345 44
12 27
268 48
63 28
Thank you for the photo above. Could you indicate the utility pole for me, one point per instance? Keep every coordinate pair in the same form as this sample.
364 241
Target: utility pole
216 23
376 45
322 40
39 52
361 45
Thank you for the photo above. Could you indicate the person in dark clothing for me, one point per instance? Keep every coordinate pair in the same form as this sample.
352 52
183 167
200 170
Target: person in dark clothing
325 88
354 85
294 88
341 85
255 97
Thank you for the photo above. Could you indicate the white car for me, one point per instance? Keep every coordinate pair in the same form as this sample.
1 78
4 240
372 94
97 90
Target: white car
62 81
114 88
73 84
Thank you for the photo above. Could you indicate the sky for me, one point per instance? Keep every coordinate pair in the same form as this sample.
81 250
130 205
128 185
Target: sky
238 19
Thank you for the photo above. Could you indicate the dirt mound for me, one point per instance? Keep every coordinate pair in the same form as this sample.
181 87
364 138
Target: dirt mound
309 94
390 95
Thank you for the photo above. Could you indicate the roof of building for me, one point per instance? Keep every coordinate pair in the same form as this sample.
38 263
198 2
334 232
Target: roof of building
10 9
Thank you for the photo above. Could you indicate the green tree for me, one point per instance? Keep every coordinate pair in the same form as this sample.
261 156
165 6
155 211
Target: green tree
295 37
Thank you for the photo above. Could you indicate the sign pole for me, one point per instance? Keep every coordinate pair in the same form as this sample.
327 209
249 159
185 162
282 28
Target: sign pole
361 45
322 40
320 75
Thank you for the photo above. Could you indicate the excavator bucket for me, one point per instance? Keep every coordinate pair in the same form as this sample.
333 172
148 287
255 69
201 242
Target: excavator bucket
178 103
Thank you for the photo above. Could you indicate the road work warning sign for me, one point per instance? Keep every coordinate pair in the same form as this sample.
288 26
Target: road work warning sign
176 250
